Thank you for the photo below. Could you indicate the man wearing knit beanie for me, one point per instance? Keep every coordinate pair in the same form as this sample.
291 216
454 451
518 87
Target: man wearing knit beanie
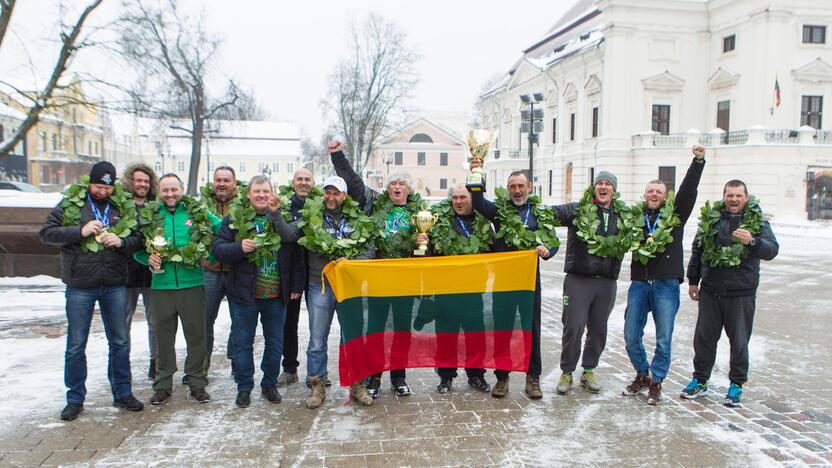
103 173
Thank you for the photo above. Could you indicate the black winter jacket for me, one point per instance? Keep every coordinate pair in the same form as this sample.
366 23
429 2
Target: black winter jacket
489 210
578 261
84 270
138 275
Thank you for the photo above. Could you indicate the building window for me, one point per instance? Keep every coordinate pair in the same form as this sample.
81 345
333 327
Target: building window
89 147
443 159
290 167
42 141
180 166
661 118
275 167
554 130
811 111
591 176
729 43
443 184
398 159
814 34
421 138
210 167
54 142
242 167
667 174
95 147
158 166
572 127
594 122
550 183
420 158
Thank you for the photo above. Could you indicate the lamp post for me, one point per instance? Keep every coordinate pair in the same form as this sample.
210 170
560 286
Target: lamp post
530 118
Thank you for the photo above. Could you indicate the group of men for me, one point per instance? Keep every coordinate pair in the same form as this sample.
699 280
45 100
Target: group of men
183 256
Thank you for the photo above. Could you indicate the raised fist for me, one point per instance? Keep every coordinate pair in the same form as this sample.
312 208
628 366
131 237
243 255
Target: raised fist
335 146
699 152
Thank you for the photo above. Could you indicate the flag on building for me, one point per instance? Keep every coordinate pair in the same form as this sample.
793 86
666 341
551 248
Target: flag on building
776 92
456 311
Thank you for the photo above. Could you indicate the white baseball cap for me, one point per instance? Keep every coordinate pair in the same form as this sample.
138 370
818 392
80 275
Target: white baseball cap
337 182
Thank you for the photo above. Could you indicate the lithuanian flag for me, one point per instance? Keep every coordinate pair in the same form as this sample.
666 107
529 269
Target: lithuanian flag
457 311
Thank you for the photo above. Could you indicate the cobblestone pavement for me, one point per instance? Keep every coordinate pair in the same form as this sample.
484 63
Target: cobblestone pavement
786 418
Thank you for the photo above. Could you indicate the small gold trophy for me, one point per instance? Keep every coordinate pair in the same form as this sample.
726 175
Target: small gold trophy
479 143
158 245
423 220
100 236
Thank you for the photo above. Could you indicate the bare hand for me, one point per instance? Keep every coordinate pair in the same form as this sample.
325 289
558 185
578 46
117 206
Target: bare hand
542 251
335 146
742 235
422 238
476 163
91 228
274 203
155 261
249 245
111 240
693 292
698 152
295 296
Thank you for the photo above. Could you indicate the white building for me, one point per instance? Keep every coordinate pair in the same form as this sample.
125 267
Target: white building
630 86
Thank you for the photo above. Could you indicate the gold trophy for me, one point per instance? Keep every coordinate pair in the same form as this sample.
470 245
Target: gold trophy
158 245
479 143
423 220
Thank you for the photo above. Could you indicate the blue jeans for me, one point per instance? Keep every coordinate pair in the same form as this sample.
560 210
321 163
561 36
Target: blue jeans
321 308
112 301
662 298
216 285
272 314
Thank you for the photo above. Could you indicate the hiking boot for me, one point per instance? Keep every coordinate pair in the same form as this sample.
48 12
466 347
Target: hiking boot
479 384
444 385
160 397
151 371
360 394
734 396
287 378
327 382
243 399
271 393
533 387
400 387
373 386
589 383
200 395
71 411
637 385
695 389
654 394
500 388
317 393
129 402
186 379
564 383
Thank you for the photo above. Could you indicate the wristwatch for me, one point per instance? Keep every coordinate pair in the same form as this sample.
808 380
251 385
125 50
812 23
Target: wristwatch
752 242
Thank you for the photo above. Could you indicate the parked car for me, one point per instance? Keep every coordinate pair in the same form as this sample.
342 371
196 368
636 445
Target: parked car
19 186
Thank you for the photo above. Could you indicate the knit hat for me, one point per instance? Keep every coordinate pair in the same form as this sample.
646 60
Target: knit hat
609 177
103 173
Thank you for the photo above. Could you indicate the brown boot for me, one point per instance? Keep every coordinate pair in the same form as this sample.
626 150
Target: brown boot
317 393
360 394
654 395
500 388
637 385
533 387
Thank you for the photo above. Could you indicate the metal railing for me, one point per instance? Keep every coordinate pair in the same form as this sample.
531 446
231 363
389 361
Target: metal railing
823 137
671 139
739 137
781 136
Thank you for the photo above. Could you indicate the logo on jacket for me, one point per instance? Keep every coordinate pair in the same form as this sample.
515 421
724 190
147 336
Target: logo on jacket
188 222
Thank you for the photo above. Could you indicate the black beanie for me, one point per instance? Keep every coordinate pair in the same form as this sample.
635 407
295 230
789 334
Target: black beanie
103 173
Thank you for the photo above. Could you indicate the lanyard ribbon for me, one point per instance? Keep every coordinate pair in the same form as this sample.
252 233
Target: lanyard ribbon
526 218
463 227
102 218
339 230
651 227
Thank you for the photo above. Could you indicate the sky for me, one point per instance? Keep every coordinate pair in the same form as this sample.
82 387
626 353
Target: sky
285 51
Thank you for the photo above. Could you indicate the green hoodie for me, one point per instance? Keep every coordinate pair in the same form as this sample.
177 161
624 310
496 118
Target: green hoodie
177 275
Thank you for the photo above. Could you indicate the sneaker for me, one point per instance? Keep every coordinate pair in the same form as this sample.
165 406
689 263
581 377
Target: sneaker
129 402
200 395
360 394
479 384
565 383
533 387
637 385
734 396
444 385
500 388
160 397
271 393
317 393
327 382
373 386
695 389
151 371
654 394
243 399
589 383
71 411
400 387
287 378
186 379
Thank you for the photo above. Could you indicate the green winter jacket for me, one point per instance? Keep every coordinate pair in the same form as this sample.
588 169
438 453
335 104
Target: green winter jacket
177 275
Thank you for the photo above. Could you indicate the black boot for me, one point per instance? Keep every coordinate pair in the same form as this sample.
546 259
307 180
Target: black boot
151 371
71 411
243 399
445 385
129 402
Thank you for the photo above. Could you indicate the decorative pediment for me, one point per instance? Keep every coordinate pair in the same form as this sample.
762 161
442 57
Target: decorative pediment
592 86
418 129
816 71
723 78
570 93
664 82
525 71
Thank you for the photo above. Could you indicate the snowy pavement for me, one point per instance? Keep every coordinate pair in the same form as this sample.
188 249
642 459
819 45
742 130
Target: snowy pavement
786 419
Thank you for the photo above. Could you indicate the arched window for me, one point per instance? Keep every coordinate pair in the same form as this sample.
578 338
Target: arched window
421 138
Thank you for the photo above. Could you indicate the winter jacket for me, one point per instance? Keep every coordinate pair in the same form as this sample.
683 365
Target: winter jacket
489 211
138 275
221 212
671 262
83 270
243 272
578 261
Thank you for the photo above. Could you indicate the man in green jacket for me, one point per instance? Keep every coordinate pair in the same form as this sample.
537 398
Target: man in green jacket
177 285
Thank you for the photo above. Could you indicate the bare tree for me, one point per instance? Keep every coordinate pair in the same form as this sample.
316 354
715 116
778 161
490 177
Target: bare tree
173 56
247 107
316 156
43 99
370 87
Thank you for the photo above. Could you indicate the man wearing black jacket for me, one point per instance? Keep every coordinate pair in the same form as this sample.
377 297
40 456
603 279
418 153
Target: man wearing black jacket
727 294
654 286
90 277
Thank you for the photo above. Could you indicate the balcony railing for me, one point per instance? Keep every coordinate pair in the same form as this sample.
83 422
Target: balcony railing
751 136
782 136
823 137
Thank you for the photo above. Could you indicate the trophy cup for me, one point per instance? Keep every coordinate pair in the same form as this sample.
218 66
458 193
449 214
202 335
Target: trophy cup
479 143
423 220
158 245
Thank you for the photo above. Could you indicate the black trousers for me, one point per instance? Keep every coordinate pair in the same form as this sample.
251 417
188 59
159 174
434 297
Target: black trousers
587 304
734 314
290 337
535 361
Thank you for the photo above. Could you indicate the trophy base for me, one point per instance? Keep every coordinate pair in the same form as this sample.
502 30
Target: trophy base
157 272
419 253
475 187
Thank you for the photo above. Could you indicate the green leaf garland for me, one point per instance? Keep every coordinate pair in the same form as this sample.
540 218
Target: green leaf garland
727 255
286 192
201 233
448 241
402 243
76 196
644 250
206 196
242 216
628 237
513 230
319 240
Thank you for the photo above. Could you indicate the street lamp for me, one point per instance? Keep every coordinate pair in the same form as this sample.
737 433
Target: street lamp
528 123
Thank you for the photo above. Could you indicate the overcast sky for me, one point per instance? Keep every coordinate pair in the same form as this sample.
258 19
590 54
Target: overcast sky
284 51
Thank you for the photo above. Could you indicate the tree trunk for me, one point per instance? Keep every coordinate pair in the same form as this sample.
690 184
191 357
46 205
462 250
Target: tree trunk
196 155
